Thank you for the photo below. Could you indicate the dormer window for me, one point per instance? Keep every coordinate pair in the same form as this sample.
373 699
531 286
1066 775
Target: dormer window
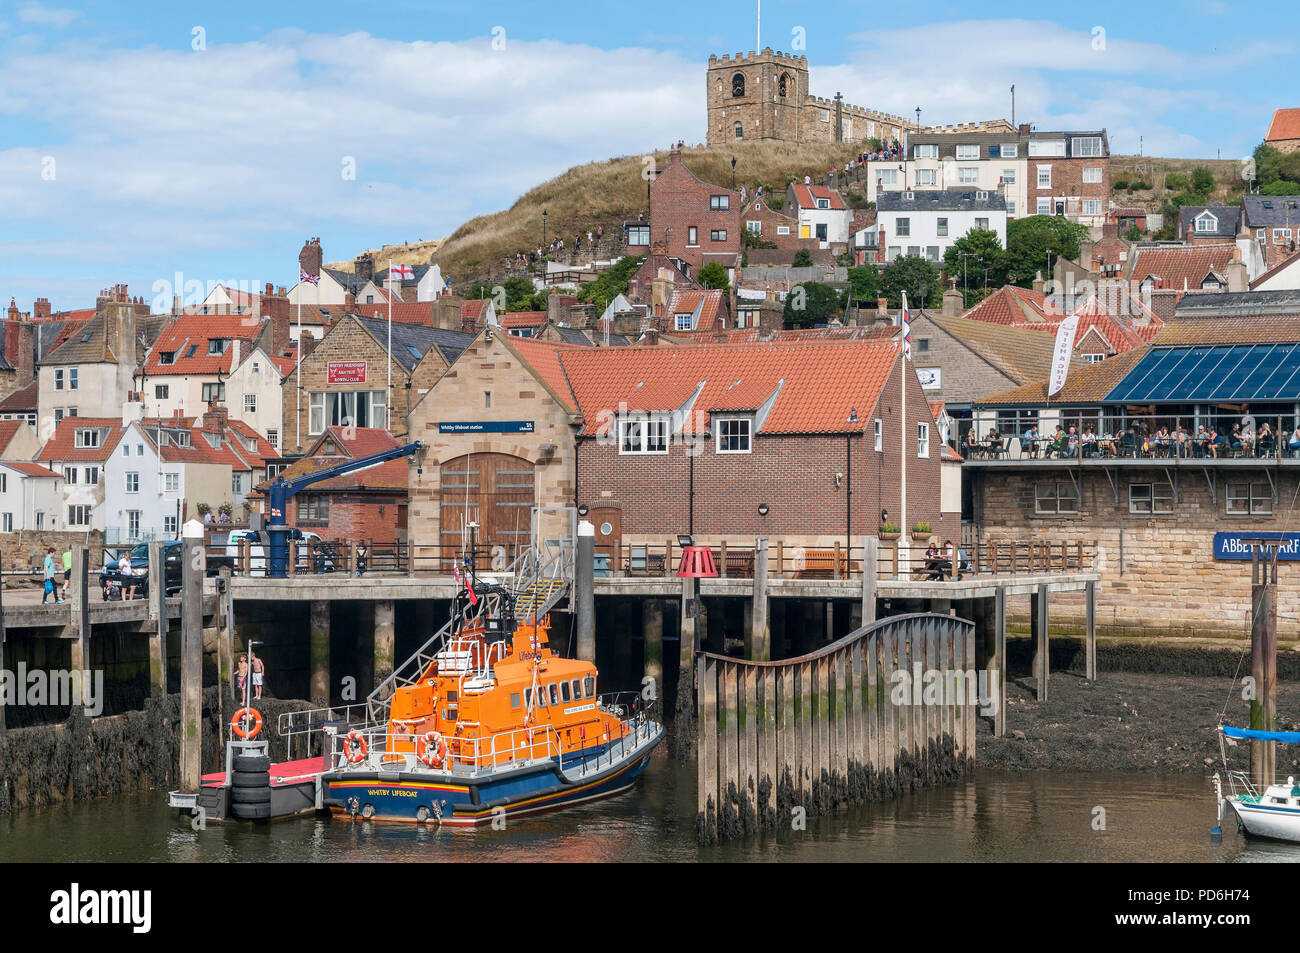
166 357
217 345
823 203
643 434
734 434
213 439
86 439
1206 222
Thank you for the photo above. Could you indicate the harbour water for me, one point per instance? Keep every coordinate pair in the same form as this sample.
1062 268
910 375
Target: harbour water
996 816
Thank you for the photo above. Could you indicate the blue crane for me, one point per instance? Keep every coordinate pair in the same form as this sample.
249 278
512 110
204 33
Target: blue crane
281 490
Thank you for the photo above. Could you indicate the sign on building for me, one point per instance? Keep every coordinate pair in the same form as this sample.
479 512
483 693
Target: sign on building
1235 545
931 377
347 372
486 426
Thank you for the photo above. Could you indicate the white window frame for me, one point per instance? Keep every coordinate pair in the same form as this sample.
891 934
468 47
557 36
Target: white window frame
926 150
132 482
316 412
692 236
923 439
887 176
1085 147
650 438
1009 176
902 228
968 175
250 403
1047 148
925 177
745 430
1010 150
967 151
86 438
1060 490
878 434
1044 206
1091 207
1044 176
171 482
1092 174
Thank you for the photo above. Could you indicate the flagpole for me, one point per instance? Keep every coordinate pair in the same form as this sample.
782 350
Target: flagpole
297 423
388 395
902 443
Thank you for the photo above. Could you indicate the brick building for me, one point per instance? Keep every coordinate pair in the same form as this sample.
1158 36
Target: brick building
1159 518
344 378
361 505
764 96
696 222
1284 130
761 220
1274 222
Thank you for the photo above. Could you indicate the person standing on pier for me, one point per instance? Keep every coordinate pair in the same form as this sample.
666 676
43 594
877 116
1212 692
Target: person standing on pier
67 571
50 589
259 674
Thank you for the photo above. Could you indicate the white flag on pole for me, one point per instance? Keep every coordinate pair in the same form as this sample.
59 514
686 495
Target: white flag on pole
1061 353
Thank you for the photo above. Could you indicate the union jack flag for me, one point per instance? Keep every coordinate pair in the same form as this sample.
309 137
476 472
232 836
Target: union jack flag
907 330
310 279
401 272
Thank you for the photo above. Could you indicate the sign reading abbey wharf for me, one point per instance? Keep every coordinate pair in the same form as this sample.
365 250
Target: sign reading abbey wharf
1236 545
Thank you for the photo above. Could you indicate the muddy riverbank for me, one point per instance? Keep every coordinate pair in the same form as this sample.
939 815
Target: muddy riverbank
1152 708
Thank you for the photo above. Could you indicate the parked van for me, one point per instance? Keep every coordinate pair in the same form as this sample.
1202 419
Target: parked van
314 555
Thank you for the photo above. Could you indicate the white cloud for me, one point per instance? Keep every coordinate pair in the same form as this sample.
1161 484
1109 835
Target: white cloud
164 153
39 14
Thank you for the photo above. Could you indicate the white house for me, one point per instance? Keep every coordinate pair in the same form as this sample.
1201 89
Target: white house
820 211
29 497
253 392
926 224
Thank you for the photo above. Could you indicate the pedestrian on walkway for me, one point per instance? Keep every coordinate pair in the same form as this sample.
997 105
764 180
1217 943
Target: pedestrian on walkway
48 569
259 674
67 571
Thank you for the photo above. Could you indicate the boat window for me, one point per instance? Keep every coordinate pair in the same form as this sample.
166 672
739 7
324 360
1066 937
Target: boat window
555 694
451 698
541 696
564 691
589 686
514 699
528 698
577 689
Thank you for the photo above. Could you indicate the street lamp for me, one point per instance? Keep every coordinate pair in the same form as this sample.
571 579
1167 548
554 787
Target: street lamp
543 232
733 173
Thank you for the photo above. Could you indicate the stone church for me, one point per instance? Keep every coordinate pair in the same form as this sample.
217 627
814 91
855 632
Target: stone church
764 96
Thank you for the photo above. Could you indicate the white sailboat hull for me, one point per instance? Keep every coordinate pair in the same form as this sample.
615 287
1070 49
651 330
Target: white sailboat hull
1272 821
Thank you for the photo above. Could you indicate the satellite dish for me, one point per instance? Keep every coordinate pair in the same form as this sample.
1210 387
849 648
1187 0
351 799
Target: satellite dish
1248 168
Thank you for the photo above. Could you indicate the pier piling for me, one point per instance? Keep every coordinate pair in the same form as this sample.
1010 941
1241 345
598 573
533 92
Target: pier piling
585 591
385 639
320 652
192 572
158 633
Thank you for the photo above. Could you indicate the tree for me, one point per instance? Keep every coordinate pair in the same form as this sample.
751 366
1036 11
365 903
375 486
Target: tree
1030 242
969 256
610 284
713 275
1280 187
913 275
1202 180
810 303
863 282
1272 166
1133 233
802 258
519 294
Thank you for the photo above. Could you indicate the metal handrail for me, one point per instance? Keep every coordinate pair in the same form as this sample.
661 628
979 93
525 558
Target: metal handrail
464 755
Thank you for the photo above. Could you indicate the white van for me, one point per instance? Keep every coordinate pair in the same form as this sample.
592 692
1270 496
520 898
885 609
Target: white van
309 561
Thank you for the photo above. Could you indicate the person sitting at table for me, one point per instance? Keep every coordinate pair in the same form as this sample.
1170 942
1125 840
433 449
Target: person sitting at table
1248 439
1264 441
1294 443
1089 442
933 559
1127 443
1214 445
1029 441
1070 444
1057 445
1235 440
995 442
949 558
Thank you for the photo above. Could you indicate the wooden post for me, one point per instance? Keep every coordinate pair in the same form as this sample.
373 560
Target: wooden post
759 636
684 716
1042 664
1263 661
585 591
838 574
652 640
722 558
79 614
2 642
158 616
707 771
320 652
870 577
1000 665
1090 650
780 559
226 635
292 568
192 572
385 640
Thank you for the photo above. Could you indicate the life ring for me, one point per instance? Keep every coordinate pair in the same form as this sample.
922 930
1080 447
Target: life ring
240 723
431 749
355 747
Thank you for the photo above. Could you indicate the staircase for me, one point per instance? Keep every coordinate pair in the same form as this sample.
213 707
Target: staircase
539 597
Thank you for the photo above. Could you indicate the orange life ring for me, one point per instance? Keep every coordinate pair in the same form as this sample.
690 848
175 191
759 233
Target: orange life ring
240 723
355 747
431 748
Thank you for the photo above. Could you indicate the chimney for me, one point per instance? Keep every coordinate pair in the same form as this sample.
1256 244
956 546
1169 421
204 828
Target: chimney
41 308
132 410
349 301
953 301
882 308
24 357
309 259
1085 253
1237 272
234 352
13 310
1024 128
306 341
446 313
1191 232
556 312
216 419
363 266
626 323
1039 284
651 336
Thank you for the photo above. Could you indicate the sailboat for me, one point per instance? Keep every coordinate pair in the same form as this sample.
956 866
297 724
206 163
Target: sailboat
1273 814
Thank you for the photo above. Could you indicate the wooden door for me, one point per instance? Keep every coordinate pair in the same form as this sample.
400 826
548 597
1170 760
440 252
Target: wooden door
494 490
608 521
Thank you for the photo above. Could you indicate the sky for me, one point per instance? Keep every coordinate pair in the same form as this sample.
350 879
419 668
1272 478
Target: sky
159 144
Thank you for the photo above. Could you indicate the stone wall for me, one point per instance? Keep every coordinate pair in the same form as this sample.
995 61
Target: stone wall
26 549
1158 572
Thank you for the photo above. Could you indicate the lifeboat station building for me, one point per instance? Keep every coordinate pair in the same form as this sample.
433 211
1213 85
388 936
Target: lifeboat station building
1174 452
794 442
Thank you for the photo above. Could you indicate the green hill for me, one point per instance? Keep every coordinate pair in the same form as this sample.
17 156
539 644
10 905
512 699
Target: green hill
613 191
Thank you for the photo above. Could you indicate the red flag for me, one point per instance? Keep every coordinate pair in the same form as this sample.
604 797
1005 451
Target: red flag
473 599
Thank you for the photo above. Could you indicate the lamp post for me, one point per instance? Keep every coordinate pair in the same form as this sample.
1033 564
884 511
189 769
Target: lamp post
543 233
733 173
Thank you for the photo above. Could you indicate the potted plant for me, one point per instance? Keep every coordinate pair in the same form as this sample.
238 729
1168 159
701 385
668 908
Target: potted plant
889 530
921 529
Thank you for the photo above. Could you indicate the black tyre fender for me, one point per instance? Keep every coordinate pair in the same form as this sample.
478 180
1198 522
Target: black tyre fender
250 796
251 763
251 812
250 779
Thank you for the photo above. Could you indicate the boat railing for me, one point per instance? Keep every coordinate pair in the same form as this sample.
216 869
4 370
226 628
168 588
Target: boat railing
297 724
1242 779
389 751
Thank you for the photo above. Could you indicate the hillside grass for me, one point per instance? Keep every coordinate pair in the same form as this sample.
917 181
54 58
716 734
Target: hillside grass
1154 169
413 253
614 191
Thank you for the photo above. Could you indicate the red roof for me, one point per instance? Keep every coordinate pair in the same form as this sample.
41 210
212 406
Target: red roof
62 446
472 309
1285 125
30 469
191 333
805 398
523 319
807 196
1180 266
338 444
686 301
544 358
25 398
404 312
1011 305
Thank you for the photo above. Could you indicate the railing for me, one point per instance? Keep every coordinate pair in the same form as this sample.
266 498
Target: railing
304 724
1096 436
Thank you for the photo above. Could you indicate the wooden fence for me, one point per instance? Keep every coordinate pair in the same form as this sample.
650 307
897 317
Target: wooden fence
835 726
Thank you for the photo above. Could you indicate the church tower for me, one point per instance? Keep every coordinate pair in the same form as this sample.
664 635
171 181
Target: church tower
756 96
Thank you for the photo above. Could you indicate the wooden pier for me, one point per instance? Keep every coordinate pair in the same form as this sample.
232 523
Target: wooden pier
888 708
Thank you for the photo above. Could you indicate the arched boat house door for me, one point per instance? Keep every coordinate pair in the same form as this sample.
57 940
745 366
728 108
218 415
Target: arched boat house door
495 490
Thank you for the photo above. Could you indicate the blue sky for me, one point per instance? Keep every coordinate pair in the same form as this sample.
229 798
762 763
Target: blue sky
141 142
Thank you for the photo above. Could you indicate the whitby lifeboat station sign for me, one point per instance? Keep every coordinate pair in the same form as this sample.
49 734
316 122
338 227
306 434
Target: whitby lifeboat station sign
1236 545
486 426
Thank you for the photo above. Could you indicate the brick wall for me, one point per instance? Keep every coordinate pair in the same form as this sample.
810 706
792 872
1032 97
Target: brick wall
26 549
793 474
680 201
966 376
1067 183
1162 577
354 515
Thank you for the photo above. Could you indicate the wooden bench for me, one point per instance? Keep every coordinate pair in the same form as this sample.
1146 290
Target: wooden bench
820 564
